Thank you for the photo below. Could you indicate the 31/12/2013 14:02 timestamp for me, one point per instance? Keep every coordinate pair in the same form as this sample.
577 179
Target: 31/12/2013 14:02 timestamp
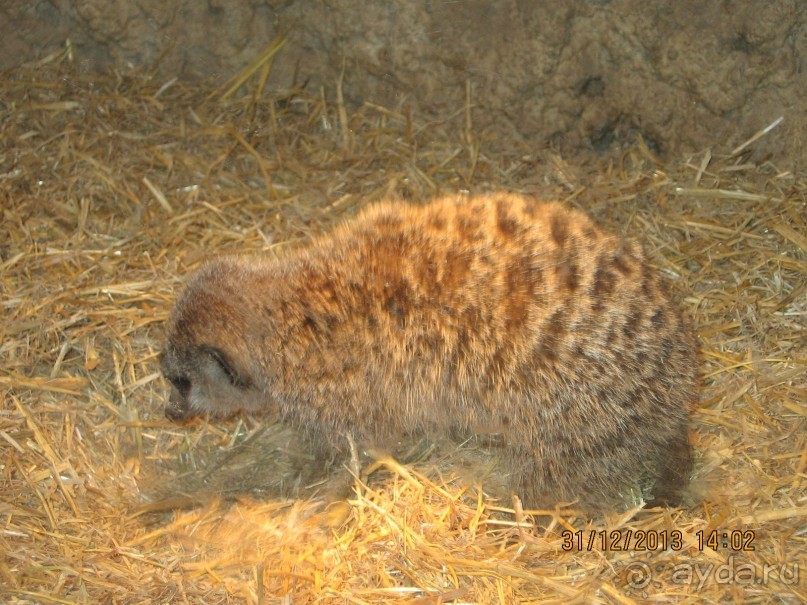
649 540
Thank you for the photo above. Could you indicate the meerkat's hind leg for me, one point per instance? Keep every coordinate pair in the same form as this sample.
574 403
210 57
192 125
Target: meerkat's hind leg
674 470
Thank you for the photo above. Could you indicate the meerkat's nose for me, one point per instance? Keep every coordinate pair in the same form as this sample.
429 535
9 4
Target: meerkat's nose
177 411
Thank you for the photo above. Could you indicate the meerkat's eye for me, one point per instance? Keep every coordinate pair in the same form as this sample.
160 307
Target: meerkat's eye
181 384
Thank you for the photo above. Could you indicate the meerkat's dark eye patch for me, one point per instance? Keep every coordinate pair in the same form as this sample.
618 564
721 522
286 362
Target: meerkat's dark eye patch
181 384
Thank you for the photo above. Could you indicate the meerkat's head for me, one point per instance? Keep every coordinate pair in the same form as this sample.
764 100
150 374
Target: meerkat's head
207 357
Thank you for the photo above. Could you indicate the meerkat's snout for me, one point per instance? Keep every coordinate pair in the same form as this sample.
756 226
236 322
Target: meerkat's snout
176 408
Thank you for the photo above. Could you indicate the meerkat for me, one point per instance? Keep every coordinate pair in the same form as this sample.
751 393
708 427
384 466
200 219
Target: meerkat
488 314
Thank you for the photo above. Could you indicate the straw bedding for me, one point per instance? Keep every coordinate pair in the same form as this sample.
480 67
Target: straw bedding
115 186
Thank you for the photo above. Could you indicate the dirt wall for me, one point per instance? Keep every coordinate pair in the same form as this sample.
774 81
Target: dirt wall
576 75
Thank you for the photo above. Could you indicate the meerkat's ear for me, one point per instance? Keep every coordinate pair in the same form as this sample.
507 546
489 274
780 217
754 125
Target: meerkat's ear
223 367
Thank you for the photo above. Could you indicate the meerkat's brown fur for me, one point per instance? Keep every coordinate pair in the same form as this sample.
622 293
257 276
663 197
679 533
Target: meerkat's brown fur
486 314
